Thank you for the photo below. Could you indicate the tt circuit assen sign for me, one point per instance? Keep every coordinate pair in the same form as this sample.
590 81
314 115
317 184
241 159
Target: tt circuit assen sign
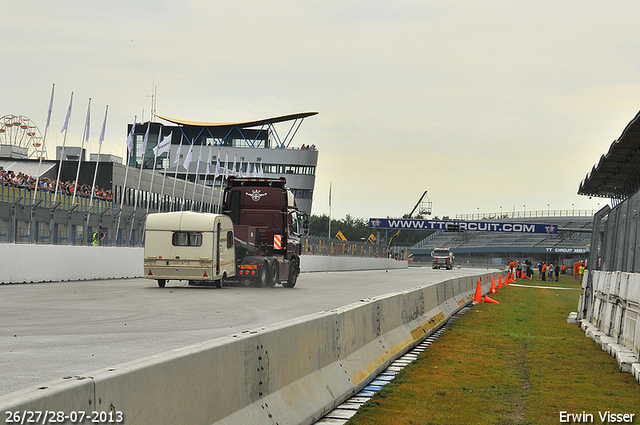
472 226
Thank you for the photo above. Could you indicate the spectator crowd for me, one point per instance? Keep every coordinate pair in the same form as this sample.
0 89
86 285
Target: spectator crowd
22 180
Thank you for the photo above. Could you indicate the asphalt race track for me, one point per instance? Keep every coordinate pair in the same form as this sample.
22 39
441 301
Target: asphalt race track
53 330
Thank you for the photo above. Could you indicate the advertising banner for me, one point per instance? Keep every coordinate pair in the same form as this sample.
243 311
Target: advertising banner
451 225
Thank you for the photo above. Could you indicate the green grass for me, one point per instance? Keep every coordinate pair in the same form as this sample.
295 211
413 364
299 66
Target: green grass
518 362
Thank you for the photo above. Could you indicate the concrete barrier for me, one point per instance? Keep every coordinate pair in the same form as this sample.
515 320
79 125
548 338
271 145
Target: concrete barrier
24 263
290 373
613 321
318 263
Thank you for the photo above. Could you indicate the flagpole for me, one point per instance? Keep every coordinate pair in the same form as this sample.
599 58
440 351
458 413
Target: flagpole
126 171
330 210
85 138
224 179
95 172
44 140
175 176
195 180
137 193
206 175
187 162
153 172
64 141
164 176
215 177
144 151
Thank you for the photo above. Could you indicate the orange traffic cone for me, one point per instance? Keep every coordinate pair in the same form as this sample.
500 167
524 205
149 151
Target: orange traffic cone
511 280
490 300
499 281
478 296
493 289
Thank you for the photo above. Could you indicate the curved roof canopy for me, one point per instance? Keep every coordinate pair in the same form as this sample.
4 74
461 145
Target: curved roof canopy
245 124
617 174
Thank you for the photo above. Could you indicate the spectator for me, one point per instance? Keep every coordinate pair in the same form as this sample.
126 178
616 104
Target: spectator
22 180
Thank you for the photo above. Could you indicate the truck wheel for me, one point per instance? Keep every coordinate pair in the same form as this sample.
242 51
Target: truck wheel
274 273
263 275
162 282
293 274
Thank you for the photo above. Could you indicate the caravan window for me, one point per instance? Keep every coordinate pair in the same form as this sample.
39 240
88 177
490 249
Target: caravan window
187 238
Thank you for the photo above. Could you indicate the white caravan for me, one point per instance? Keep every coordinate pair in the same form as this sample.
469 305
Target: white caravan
187 245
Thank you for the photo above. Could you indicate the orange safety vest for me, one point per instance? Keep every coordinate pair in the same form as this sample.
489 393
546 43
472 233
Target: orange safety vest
544 268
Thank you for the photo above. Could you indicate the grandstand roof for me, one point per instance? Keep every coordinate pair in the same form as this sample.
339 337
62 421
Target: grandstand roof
617 174
241 124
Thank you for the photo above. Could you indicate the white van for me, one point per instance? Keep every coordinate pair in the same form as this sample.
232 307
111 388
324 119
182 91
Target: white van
187 245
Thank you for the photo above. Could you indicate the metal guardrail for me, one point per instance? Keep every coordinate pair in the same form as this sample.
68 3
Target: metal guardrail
65 222
526 214
314 245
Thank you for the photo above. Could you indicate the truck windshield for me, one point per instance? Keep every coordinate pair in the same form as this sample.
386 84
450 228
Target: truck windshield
187 239
441 253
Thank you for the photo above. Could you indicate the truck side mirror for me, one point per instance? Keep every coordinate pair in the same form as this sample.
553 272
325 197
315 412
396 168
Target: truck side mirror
305 223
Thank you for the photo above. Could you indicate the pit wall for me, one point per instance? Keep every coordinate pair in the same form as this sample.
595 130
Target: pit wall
26 263
290 373
613 316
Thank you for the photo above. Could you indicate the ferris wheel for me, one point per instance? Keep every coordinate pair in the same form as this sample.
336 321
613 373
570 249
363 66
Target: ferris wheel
20 131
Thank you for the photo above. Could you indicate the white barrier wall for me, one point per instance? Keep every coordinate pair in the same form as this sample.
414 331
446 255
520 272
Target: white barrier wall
614 319
55 263
318 263
289 373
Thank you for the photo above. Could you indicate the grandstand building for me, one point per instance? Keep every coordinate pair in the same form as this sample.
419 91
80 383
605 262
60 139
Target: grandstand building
571 243
250 148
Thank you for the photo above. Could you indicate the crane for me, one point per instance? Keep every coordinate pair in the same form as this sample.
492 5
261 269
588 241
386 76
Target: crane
425 208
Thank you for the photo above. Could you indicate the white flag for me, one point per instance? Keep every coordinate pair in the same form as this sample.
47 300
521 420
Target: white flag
215 177
104 127
50 107
240 171
235 173
130 136
86 135
187 159
66 120
143 148
218 163
163 146
260 170
198 164
175 161
209 160
226 165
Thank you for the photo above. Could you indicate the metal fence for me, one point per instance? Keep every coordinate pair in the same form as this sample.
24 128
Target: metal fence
68 221
526 214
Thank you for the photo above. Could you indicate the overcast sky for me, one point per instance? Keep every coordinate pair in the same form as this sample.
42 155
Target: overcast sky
485 105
